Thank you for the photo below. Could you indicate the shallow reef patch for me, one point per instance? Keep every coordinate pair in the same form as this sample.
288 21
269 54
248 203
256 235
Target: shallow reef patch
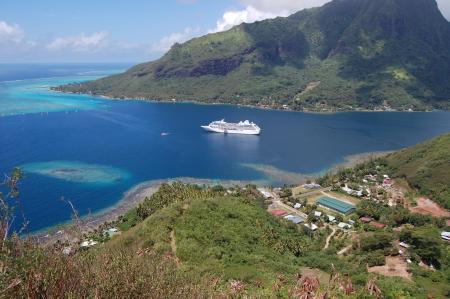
77 172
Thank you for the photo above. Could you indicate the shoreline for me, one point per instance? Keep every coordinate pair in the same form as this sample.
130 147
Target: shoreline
71 232
178 101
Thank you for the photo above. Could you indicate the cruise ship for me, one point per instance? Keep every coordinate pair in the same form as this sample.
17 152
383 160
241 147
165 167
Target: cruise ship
242 127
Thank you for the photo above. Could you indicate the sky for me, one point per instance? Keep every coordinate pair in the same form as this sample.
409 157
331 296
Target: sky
131 31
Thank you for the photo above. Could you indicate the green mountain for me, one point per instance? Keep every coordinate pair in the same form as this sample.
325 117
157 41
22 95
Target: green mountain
426 167
345 55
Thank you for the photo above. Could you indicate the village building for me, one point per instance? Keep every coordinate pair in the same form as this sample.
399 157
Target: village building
336 205
266 194
278 212
311 226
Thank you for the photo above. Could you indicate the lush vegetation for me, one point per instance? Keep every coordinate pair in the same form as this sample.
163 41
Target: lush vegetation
201 242
423 167
352 54
426 168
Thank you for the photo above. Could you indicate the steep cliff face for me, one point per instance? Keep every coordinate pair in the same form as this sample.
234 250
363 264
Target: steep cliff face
365 54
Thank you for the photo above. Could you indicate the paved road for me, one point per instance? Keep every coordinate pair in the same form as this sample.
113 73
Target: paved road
277 201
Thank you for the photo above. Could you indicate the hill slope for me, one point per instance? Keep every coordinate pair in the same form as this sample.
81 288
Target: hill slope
346 55
426 167
232 237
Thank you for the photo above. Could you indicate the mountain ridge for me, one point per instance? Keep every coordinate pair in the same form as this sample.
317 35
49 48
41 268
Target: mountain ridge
345 55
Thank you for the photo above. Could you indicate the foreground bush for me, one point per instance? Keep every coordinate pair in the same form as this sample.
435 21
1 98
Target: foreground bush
28 271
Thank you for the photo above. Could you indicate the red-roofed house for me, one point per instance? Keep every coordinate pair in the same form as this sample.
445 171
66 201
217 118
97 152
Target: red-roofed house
378 225
365 219
278 212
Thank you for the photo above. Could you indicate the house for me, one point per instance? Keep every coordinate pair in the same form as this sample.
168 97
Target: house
350 191
445 236
311 186
331 218
311 226
317 214
297 206
347 189
266 194
278 212
351 222
294 219
343 225
365 219
378 225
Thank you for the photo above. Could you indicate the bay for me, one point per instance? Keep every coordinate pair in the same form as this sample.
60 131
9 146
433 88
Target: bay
91 150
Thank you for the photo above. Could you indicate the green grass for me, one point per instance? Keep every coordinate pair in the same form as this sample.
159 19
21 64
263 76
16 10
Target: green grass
225 237
426 168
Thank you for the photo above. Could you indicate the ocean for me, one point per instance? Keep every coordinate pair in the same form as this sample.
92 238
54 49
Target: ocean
91 150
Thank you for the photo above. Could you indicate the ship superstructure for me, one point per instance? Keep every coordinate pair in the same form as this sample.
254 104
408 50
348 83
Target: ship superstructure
242 127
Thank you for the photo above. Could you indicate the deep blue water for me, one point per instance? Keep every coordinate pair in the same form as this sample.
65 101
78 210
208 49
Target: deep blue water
91 150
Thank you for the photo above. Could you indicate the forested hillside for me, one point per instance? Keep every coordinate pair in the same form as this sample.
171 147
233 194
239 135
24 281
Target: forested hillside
346 55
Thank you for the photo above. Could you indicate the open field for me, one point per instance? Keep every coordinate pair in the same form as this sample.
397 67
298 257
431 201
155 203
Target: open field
426 206
395 266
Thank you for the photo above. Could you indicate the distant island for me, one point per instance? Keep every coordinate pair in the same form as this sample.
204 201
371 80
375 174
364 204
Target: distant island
348 55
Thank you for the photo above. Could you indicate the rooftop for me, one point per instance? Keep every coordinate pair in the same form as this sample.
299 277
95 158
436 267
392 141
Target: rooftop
336 205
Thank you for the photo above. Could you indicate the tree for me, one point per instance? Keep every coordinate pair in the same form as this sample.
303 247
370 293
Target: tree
425 242
376 241
7 213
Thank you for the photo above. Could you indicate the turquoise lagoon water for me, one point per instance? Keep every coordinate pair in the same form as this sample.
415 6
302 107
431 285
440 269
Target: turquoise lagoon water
91 150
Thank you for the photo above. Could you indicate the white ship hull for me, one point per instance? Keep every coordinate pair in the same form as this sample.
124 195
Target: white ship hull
243 132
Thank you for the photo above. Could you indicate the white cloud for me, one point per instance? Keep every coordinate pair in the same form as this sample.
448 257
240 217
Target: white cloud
235 17
10 33
257 10
168 41
283 7
80 43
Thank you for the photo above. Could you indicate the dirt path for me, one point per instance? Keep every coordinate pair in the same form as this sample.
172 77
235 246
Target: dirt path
344 250
173 245
327 242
